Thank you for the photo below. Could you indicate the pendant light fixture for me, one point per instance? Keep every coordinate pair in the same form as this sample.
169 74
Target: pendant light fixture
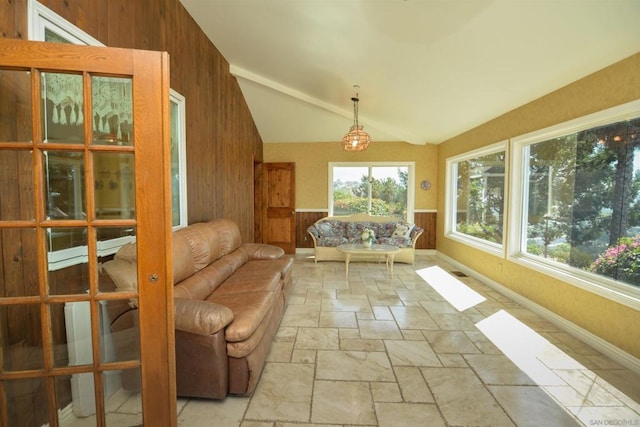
357 139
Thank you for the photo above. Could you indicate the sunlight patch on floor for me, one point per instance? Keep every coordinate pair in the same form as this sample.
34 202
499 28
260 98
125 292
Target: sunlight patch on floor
594 400
453 290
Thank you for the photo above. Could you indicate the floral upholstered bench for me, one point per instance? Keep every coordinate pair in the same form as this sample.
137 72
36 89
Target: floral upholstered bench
330 232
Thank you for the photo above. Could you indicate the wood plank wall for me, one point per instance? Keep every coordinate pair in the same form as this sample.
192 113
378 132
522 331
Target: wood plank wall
222 140
425 220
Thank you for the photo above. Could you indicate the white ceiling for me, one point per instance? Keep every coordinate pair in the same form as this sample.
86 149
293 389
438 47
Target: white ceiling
427 70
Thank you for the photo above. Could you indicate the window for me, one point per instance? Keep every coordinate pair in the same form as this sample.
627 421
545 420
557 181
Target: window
476 197
384 189
45 25
178 159
578 198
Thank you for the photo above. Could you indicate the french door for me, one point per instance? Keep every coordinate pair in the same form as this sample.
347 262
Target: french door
84 169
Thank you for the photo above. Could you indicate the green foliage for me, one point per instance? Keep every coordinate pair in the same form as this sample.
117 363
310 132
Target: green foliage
481 231
388 197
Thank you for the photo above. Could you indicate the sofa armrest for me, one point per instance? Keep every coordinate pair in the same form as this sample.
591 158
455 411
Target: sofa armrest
262 251
200 317
415 233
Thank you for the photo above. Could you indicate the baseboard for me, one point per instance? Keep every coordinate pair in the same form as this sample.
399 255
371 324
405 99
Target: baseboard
309 251
618 355
426 252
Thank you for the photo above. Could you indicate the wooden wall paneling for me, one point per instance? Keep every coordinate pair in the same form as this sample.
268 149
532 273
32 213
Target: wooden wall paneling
117 26
303 221
427 221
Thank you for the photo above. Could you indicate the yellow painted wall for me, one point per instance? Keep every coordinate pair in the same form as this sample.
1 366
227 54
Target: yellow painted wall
613 85
312 167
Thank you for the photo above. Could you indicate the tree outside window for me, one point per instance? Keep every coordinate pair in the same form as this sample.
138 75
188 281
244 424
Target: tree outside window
372 189
583 208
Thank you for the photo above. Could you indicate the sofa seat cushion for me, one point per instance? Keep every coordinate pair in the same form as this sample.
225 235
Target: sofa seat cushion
331 241
250 279
243 348
401 242
249 309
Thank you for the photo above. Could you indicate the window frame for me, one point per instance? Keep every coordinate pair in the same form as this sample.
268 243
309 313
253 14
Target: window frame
518 196
410 182
451 199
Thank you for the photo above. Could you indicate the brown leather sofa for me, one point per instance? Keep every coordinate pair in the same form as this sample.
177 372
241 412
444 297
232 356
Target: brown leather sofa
229 298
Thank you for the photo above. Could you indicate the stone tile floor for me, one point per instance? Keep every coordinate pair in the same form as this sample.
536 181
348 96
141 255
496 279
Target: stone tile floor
376 351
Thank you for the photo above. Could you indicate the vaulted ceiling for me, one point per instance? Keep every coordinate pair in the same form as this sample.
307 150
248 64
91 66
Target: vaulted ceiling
428 70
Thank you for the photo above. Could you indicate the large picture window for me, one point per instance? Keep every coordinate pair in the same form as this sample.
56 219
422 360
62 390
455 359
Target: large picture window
580 196
384 189
476 197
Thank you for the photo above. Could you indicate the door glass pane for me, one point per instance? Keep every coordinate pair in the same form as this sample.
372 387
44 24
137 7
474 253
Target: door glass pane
112 110
63 397
71 333
122 318
64 185
62 108
15 106
110 240
22 337
114 186
26 402
16 181
124 406
18 263
67 258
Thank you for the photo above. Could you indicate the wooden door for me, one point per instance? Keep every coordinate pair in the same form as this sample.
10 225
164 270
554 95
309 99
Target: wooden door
279 205
84 165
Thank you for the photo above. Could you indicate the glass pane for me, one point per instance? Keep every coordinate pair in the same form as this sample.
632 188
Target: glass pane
112 110
71 333
15 106
584 199
26 402
350 190
22 337
112 277
64 185
77 325
16 181
50 36
175 164
67 257
18 265
122 318
115 191
64 399
124 406
389 191
480 197
62 108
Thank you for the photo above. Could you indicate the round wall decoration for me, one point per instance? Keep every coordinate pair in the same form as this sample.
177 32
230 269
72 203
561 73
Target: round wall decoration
425 185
